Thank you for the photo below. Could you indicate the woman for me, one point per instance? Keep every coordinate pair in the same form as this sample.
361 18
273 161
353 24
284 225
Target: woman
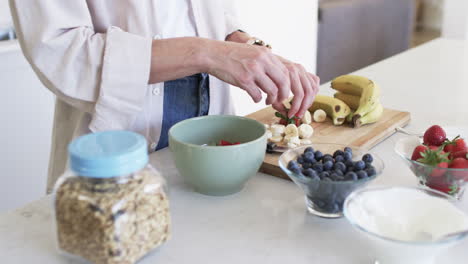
136 65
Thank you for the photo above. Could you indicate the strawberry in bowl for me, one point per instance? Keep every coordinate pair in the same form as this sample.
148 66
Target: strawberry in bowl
438 162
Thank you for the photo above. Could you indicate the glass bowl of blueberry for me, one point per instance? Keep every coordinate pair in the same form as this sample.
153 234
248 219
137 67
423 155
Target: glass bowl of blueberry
328 173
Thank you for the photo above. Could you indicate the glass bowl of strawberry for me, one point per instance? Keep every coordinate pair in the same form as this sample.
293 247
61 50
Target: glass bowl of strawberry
439 159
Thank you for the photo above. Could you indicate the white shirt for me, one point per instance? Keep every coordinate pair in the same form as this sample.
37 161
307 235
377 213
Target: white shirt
176 19
95 57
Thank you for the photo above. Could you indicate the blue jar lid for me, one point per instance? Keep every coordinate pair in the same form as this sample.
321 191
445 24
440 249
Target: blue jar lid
108 154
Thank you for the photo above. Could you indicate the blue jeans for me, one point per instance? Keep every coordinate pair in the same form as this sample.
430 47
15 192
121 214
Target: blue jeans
184 98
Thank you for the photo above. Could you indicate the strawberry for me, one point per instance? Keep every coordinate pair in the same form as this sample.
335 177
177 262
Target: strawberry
436 158
460 163
417 152
460 154
443 187
284 120
434 136
455 145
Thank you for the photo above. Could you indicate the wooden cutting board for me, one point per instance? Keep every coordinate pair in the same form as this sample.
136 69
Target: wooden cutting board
364 138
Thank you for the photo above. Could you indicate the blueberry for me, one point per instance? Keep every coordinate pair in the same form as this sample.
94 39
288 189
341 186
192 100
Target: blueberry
349 169
339 158
300 160
340 178
349 163
338 153
340 166
371 172
325 159
318 155
339 172
309 157
306 165
309 173
324 175
327 179
328 165
369 165
362 174
318 167
334 176
359 165
296 170
293 164
309 149
368 158
348 150
327 156
351 176
347 156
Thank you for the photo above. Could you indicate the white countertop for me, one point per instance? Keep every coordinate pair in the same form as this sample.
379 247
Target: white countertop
267 221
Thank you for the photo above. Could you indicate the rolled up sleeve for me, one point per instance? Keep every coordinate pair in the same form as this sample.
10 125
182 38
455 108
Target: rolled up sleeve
103 73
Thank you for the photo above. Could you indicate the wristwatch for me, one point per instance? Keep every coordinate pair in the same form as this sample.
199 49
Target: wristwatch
258 42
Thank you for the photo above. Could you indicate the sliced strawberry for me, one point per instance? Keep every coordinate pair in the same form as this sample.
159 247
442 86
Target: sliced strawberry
434 136
297 121
227 143
460 163
417 152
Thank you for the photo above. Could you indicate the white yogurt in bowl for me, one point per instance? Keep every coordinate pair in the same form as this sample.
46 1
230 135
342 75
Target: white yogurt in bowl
406 225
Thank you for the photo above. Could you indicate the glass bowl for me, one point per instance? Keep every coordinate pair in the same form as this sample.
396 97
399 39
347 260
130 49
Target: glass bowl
326 198
389 250
446 180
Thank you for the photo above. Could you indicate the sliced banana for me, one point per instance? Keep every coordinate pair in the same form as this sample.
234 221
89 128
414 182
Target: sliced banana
305 131
267 126
320 116
269 134
292 139
306 141
291 130
277 130
307 118
276 139
292 145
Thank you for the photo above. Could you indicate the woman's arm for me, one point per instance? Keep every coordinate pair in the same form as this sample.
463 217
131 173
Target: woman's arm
105 74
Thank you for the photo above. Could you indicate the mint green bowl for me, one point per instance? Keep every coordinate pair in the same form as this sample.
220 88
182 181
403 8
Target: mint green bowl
218 170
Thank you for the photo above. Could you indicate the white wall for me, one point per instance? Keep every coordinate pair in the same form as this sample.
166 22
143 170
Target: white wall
25 132
5 18
289 26
455 23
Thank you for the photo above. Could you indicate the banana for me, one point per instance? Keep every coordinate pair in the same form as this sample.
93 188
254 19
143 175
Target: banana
269 134
276 139
336 109
370 117
320 116
306 141
359 86
291 130
349 118
351 100
277 130
307 118
305 131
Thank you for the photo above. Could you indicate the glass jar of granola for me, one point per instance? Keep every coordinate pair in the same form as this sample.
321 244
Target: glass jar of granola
111 206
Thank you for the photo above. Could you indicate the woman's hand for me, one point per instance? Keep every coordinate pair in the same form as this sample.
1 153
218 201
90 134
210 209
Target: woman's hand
304 86
256 69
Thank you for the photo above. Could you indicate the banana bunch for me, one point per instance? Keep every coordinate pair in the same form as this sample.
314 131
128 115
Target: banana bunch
362 96
335 108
